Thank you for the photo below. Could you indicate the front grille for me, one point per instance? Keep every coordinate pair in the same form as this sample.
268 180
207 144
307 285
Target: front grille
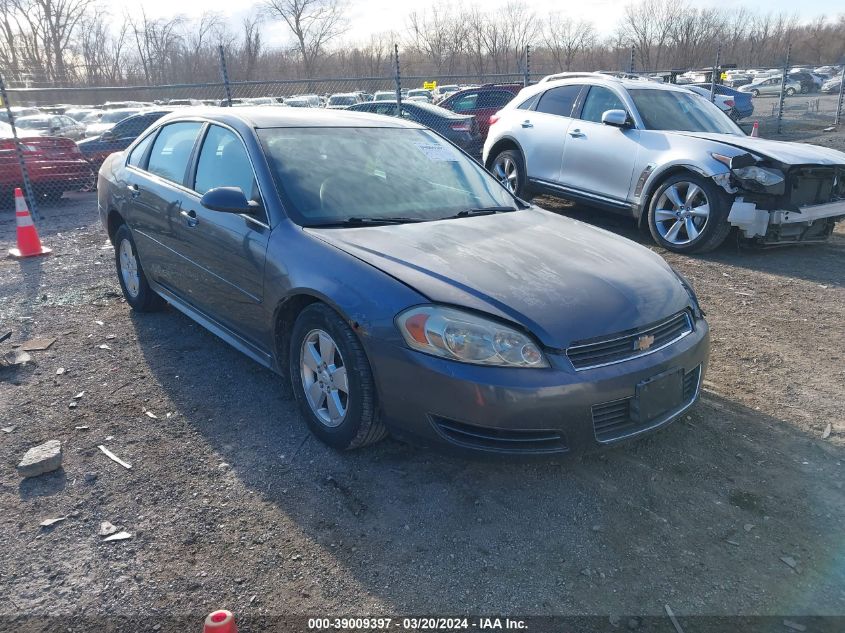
621 347
613 420
502 440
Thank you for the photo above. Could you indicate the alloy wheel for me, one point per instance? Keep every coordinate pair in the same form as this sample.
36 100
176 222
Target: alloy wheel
682 213
507 172
324 378
129 269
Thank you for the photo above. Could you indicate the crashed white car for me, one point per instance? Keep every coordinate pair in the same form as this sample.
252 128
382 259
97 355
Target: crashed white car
667 157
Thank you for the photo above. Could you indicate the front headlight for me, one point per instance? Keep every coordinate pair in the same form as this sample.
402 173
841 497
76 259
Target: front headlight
467 337
766 177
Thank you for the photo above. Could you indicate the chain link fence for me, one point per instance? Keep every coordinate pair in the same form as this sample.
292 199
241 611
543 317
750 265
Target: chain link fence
53 140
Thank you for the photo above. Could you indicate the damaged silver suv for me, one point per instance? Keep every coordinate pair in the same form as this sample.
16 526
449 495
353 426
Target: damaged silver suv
667 157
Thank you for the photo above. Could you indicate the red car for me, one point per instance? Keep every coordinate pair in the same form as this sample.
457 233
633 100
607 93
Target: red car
482 102
54 164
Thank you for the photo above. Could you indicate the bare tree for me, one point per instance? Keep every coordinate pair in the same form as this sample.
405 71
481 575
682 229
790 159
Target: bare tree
566 38
313 23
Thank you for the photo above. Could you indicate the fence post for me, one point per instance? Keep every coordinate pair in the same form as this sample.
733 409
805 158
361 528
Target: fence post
783 87
631 64
527 74
841 95
225 74
397 76
715 70
27 184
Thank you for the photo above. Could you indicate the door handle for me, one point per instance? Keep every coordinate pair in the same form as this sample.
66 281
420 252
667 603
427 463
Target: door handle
576 133
190 217
134 190
527 123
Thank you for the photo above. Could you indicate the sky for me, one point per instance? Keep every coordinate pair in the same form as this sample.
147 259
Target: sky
373 16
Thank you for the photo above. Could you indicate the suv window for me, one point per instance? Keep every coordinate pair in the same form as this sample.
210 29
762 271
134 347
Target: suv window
495 99
528 103
559 100
172 150
599 100
137 155
224 162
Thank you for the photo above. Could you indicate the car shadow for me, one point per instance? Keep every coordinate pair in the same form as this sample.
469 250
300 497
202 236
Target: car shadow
818 263
697 515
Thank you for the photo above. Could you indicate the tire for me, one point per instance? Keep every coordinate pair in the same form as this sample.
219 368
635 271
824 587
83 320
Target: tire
315 369
682 228
509 169
790 92
135 287
755 93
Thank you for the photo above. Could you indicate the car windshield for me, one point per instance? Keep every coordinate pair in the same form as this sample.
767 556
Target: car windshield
33 123
680 111
342 100
384 96
330 175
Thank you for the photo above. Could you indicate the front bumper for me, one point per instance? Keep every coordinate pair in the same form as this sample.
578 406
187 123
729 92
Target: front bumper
528 411
784 225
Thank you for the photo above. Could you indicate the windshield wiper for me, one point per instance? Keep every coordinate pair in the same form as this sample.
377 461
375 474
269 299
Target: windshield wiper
362 221
482 211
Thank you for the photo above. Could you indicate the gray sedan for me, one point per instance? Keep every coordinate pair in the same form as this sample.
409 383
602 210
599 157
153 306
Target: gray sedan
397 285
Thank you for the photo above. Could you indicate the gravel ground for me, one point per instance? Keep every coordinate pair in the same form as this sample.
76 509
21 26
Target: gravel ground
736 509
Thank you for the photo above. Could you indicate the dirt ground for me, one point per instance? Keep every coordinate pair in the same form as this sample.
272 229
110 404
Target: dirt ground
736 509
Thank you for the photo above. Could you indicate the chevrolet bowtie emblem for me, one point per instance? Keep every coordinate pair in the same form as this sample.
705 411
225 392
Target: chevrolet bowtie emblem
644 342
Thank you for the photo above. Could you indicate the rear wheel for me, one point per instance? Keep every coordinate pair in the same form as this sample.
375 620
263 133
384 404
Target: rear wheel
755 93
509 169
790 92
130 273
688 214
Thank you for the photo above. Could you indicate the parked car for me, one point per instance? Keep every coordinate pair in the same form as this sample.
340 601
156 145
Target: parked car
725 104
342 100
96 149
739 104
305 101
832 85
806 80
18 111
397 286
460 129
80 114
107 120
668 158
384 95
417 93
54 165
51 125
771 86
441 92
482 102
184 102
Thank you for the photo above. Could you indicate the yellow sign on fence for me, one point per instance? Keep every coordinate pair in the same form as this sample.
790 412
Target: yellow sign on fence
429 85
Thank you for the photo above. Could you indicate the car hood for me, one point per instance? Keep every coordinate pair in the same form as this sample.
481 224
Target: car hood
782 151
561 279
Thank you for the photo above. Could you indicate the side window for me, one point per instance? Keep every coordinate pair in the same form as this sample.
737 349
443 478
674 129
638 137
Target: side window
137 156
528 103
559 100
599 100
465 103
66 120
56 122
495 99
172 150
224 162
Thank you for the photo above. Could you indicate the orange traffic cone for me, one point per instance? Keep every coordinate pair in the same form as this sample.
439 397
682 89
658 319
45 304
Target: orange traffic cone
221 621
28 242
755 131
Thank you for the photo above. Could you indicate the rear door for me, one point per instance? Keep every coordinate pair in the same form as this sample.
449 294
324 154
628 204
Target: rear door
226 251
157 193
599 159
544 132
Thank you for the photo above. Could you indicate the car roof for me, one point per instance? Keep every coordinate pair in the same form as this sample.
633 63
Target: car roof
259 117
602 80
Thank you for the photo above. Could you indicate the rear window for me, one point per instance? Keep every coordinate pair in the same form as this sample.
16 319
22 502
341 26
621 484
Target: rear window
172 150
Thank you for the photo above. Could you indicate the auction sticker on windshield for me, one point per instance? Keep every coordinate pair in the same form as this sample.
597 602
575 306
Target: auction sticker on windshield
437 152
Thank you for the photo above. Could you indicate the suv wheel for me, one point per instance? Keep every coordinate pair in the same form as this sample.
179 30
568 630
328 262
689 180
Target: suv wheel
509 169
688 214
332 380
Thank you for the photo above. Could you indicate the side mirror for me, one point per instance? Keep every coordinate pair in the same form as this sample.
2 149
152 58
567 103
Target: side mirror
108 135
615 118
228 200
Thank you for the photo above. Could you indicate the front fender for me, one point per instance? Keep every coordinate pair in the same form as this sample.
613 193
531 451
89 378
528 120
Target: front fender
651 176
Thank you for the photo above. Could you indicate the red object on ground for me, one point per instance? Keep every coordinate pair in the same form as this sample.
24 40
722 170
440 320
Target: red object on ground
755 131
28 243
221 621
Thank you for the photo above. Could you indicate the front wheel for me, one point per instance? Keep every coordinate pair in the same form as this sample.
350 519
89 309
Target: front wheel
688 214
755 93
332 380
790 92
509 169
